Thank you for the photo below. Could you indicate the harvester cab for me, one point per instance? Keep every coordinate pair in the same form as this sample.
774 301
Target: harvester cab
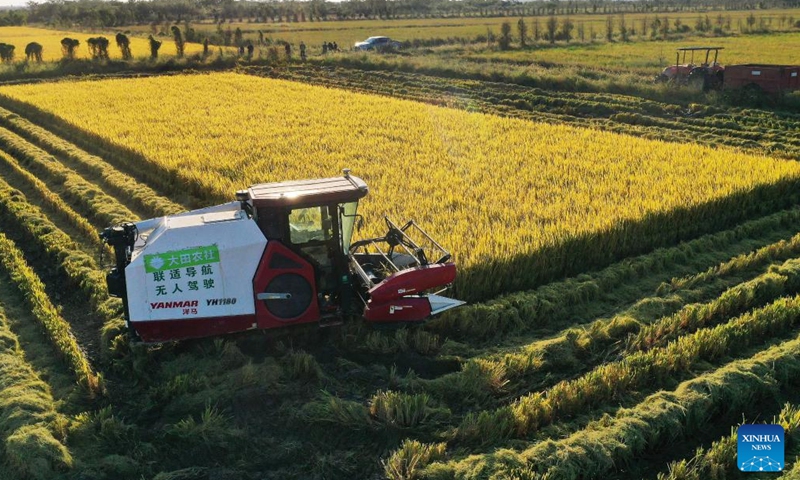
281 254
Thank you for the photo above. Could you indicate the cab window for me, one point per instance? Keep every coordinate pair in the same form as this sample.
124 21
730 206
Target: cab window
309 224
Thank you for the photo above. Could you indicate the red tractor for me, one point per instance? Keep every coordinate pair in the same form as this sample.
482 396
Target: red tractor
706 76
282 254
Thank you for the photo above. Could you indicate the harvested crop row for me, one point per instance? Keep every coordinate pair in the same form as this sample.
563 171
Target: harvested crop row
53 201
36 231
28 444
462 175
635 371
561 301
658 420
762 256
721 455
99 207
511 372
58 330
119 184
780 280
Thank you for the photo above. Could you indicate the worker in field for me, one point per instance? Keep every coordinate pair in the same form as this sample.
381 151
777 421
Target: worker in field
250 49
324 48
335 47
288 49
302 51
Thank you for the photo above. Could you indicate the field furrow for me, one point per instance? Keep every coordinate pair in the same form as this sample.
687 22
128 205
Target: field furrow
661 418
637 371
140 198
64 216
58 330
61 261
30 435
720 459
496 378
101 209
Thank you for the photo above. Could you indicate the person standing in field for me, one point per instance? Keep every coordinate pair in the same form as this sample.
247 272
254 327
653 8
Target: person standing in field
250 49
324 48
288 49
302 51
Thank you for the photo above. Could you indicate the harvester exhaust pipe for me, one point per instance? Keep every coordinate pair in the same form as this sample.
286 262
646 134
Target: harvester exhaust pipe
121 238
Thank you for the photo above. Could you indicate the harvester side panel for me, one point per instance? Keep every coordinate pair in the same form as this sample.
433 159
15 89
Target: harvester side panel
285 289
196 266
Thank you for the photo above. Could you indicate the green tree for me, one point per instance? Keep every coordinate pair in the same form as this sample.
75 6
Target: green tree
180 45
552 27
522 29
566 28
505 36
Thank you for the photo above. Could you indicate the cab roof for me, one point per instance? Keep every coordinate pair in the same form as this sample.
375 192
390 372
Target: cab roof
307 193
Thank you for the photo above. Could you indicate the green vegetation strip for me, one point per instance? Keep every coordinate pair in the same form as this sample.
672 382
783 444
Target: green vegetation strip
96 204
27 410
556 356
123 159
58 330
660 419
638 370
141 196
780 280
719 459
560 301
54 202
36 231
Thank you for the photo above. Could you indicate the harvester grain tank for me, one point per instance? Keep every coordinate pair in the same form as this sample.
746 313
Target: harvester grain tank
281 254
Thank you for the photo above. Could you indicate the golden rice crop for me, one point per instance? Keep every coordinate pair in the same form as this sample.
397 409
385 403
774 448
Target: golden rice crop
51 43
494 190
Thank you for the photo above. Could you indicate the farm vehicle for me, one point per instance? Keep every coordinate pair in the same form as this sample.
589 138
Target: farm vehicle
281 254
753 79
687 72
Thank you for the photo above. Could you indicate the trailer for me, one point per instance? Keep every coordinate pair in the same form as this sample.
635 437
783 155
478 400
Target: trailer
768 79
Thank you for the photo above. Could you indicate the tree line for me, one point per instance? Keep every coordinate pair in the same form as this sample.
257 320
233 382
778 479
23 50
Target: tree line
553 29
114 13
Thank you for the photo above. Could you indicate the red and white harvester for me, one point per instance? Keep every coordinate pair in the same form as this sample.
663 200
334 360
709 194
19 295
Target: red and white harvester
281 254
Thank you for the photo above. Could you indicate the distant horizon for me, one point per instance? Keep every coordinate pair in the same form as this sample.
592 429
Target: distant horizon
8 4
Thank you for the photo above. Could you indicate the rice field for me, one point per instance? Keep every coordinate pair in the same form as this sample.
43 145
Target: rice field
632 269
461 175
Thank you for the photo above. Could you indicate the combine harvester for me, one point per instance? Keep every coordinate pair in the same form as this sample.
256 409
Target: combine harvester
753 79
280 255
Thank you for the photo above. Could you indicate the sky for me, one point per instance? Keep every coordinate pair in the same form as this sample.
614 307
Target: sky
13 3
